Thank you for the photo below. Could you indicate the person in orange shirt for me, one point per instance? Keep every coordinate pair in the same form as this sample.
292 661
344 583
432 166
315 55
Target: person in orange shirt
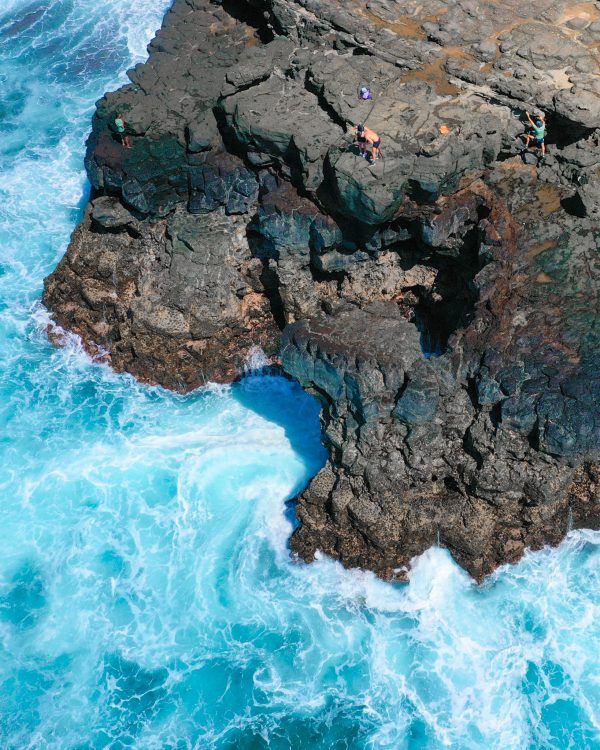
365 137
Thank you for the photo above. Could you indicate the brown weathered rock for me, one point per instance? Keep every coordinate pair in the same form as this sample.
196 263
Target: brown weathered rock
178 301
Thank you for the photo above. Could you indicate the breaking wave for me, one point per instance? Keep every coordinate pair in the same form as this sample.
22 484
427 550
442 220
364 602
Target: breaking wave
147 596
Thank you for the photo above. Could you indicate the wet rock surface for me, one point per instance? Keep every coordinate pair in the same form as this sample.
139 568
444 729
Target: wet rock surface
442 302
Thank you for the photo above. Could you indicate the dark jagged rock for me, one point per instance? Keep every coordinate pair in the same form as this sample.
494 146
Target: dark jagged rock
442 303
473 449
178 301
222 180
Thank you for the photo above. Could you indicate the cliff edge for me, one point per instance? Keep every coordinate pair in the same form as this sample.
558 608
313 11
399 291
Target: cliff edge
442 303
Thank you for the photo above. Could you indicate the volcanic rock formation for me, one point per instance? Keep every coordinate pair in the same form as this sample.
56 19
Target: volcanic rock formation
442 303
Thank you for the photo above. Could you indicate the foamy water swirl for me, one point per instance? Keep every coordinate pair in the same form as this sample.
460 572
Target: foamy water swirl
147 597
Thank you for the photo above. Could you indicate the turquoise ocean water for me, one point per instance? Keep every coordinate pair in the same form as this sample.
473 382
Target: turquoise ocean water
147 599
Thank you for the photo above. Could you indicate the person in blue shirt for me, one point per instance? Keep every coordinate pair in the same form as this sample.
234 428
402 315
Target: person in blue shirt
120 126
538 134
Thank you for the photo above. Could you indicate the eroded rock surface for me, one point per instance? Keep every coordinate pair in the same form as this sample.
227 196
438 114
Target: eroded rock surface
178 301
474 449
442 303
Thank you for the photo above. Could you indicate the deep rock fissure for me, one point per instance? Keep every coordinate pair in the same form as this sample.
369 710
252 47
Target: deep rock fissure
448 305
270 284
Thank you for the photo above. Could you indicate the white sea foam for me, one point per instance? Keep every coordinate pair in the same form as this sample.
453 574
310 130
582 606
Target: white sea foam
147 595
256 362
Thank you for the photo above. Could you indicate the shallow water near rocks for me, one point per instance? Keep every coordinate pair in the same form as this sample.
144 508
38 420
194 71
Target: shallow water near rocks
147 598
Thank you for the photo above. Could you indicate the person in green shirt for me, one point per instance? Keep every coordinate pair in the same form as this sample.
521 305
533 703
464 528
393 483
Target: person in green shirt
538 134
121 125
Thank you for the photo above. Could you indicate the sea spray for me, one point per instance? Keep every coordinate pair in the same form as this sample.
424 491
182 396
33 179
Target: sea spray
256 362
147 594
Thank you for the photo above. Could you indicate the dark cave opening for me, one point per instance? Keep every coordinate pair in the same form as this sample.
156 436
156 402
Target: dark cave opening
270 283
574 206
251 15
433 328
446 304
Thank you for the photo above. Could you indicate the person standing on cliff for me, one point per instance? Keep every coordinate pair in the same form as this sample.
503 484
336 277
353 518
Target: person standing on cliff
121 125
538 136
366 136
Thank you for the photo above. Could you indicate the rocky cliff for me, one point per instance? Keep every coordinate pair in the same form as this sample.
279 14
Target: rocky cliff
442 303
